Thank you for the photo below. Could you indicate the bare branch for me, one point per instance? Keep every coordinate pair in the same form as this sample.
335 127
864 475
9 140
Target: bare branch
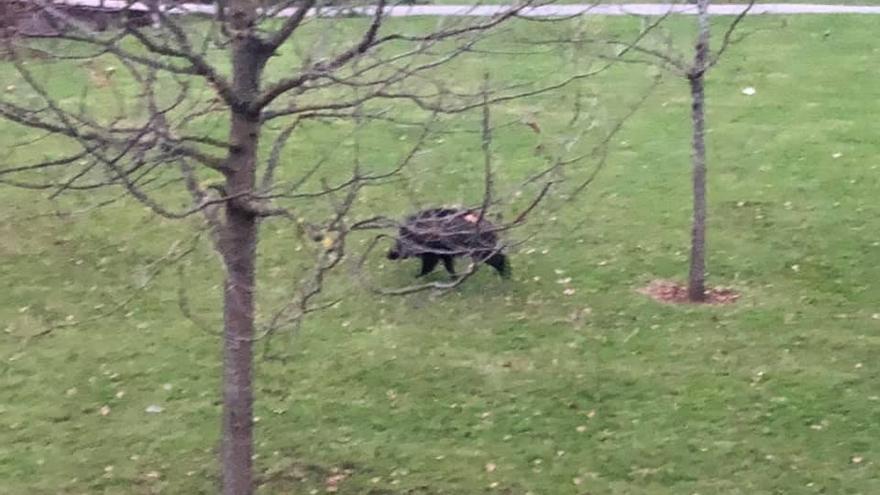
486 146
184 305
602 146
45 164
366 42
290 24
727 34
357 177
198 64
275 155
511 13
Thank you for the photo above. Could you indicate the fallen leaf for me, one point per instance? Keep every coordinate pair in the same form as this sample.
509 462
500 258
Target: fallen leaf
534 126
331 484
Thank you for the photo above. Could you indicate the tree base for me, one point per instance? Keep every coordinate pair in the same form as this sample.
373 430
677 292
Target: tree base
670 292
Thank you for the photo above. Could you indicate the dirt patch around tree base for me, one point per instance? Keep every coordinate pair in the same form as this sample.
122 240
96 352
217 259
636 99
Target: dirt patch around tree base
671 292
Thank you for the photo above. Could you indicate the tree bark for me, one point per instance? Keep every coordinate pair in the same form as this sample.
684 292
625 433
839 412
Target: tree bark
9 18
239 253
697 273
239 248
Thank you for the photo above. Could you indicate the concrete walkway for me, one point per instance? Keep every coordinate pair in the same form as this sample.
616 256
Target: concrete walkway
541 11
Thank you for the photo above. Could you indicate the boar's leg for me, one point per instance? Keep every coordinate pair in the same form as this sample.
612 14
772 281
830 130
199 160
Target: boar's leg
449 264
429 262
499 262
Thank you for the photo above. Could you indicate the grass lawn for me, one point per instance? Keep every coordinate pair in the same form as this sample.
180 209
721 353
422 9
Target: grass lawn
502 387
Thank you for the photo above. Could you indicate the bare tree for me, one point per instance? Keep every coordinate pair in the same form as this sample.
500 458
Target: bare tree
696 75
198 78
655 47
703 61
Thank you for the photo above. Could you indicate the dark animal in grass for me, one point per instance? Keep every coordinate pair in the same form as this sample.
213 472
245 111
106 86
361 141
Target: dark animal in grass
443 234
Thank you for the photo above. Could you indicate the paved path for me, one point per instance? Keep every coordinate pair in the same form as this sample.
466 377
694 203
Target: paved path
541 11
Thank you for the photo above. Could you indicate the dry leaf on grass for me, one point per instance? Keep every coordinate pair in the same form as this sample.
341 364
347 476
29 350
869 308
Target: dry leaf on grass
331 484
667 291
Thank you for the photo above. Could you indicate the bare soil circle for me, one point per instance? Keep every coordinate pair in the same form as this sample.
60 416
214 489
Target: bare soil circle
671 292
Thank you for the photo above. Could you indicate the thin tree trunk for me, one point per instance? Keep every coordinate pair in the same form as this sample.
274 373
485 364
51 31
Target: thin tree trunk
239 250
697 275
9 18
239 247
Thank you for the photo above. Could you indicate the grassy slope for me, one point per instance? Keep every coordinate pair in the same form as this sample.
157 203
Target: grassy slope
418 396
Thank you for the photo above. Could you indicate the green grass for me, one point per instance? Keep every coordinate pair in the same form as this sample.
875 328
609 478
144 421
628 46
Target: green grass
417 395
